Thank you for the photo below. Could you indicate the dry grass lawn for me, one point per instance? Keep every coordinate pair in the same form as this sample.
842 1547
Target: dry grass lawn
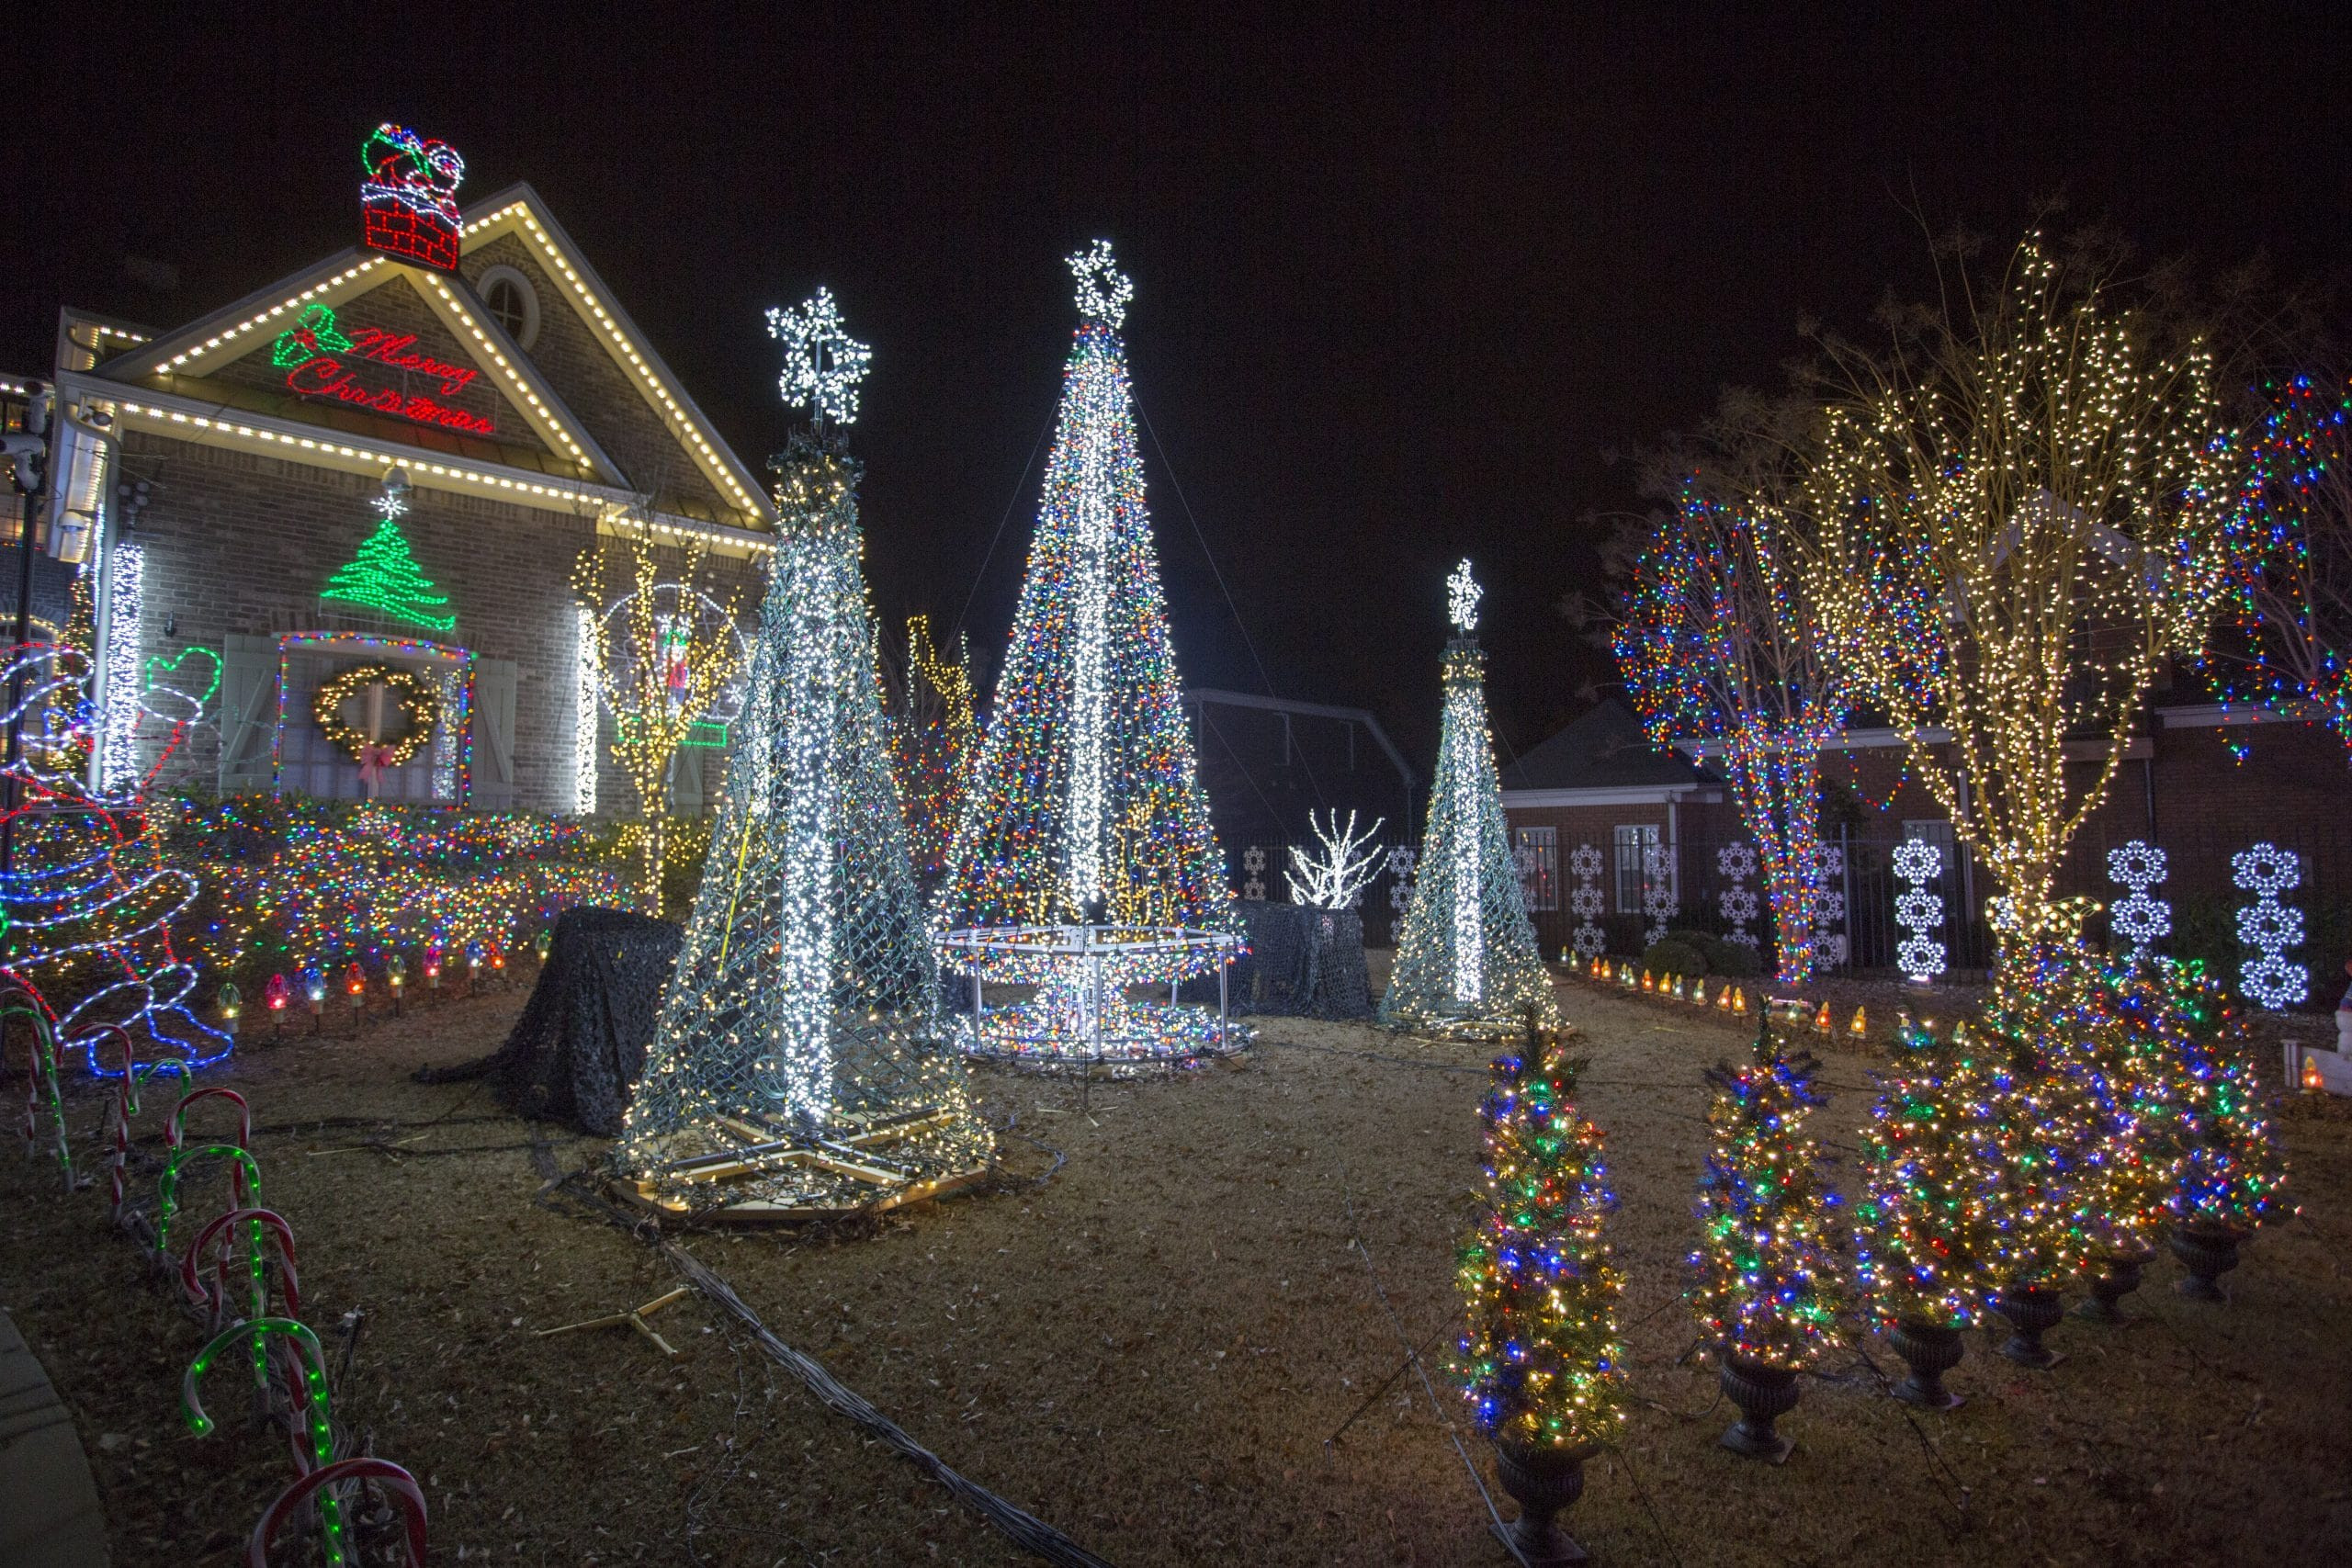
1149 1348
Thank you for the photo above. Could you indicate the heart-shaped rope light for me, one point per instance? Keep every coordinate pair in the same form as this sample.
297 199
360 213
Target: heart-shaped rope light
418 703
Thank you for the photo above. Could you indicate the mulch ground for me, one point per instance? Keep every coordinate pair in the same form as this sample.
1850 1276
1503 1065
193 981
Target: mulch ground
1149 1344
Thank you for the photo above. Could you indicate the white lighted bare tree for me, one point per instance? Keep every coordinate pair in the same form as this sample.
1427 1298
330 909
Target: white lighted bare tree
1335 877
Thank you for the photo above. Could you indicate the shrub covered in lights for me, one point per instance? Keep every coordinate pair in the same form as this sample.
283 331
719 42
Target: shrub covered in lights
2228 1170
1540 1357
1771 1274
1928 1224
294 882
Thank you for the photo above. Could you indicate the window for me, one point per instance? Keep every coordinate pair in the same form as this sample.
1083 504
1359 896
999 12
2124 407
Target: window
1538 852
512 302
1634 842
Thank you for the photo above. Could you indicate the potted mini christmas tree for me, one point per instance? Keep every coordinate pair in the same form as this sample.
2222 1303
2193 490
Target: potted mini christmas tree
1928 1221
1771 1279
1540 1358
2124 1056
2229 1169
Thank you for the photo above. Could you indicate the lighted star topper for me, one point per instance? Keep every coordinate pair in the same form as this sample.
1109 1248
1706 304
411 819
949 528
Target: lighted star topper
822 363
1104 291
1462 594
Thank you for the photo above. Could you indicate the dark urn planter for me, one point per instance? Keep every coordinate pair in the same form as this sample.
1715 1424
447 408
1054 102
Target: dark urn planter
1764 1394
2118 1276
2032 1311
2206 1254
1931 1351
1543 1482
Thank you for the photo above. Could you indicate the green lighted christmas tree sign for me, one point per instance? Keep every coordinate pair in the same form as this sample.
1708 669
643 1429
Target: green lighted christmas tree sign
384 576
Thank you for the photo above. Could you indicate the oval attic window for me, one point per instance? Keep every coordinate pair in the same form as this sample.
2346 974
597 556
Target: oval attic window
507 295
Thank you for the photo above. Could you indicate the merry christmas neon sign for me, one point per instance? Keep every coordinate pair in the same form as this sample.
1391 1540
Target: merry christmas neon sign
315 354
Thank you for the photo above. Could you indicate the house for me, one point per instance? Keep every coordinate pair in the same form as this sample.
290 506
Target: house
354 498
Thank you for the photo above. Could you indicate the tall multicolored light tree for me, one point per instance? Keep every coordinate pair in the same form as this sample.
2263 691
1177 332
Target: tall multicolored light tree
931 744
2022 509
1085 804
2289 605
1717 640
797 1064
1466 959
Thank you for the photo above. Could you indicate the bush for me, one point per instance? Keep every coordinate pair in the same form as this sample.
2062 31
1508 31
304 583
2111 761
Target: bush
1674 957
1735 961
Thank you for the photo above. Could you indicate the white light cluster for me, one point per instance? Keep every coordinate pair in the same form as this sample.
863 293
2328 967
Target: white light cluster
587 687
1336 878
2269 926
1738 901
1462 596
1467 721
118 706
800 1070
1583 902
2137 918
1918 911
1104 291
822 363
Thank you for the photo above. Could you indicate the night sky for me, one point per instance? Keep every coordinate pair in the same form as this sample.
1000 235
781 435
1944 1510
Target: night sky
1405 283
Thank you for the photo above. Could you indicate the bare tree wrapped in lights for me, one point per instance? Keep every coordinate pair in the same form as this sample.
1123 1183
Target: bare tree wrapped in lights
1083 861
931 742
1336 878
2290 646
2023 508
796 1065
1466 959
663 651
1718 640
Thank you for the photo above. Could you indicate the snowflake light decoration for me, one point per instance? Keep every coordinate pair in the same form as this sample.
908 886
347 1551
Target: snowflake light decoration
1462 596
1104 291
1918 911
1659 902
1253 862
1736 861
1584 903
2136 918
2269 926
1828 907
822 363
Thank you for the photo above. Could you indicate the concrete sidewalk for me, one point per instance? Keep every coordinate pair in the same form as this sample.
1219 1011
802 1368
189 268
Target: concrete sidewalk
49 1510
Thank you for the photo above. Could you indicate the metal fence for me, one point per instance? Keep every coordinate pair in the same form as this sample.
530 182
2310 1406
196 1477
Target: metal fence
1860 915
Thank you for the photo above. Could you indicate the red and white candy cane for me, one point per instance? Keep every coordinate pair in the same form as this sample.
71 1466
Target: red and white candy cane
121 1106
41 1060
218 1240
175 1132
394 1483
314 1430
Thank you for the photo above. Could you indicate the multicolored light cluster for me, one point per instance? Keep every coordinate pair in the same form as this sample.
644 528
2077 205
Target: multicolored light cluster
1772 1275
1927 1223
932 743
1540 1357
1717 640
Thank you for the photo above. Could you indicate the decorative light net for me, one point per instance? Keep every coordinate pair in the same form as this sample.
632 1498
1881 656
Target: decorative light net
796 1065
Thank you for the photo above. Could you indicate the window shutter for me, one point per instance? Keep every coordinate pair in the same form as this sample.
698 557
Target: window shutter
492 786
248 712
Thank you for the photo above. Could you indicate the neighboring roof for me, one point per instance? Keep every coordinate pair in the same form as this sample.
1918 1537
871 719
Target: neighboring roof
1603 749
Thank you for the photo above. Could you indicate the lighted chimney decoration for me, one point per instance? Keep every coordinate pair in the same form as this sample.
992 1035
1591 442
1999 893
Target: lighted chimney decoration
410 197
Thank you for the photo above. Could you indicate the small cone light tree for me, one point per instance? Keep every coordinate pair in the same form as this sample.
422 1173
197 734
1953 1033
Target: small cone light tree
1718 640
1466 960
2022 508
1928 1225
1771 1279
2126 1063
2231 1172
796 1066
1540 1358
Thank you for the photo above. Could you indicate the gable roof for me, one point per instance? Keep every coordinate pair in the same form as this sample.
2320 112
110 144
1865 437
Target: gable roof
1605 748
168 378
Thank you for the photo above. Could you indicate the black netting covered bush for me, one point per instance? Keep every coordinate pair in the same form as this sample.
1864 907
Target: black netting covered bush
1302 962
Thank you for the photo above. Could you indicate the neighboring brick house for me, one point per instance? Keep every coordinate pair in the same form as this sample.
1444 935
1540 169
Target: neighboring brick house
214 477
2199 781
